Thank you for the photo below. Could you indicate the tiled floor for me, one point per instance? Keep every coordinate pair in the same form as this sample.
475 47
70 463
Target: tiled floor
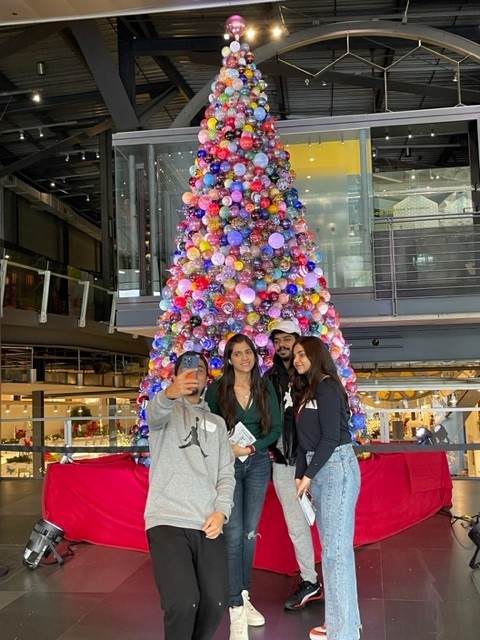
414 586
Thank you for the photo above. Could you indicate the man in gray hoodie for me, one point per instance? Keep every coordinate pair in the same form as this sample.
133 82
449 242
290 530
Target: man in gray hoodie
189 499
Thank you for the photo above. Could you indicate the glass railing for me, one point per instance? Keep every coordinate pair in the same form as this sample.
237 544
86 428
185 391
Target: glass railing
426 256
65 439
33 282
456 429
453 430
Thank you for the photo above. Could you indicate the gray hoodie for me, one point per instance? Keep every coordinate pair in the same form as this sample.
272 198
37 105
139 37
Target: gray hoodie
192 464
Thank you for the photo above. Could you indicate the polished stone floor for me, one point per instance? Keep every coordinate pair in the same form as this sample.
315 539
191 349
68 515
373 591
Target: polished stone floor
414 586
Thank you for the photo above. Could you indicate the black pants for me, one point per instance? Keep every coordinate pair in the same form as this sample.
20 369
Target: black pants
191 574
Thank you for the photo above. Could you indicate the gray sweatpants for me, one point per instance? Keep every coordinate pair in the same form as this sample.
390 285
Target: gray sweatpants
298 528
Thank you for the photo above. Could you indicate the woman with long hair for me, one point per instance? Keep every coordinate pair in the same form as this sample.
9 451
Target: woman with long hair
241 395
327 468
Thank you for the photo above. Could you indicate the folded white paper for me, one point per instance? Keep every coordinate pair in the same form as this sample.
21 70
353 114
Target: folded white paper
307 507
243 437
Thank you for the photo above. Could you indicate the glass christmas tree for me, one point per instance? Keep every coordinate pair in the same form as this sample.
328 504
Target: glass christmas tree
245 257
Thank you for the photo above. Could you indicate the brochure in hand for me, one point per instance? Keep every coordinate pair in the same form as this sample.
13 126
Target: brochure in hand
308 509
243 437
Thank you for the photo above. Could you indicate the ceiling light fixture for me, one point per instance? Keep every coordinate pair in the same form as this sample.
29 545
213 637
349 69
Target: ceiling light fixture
25 410
277 31
40 133
41 68
19 92
36 97
7 409
83 155
67 158
55 409
22 135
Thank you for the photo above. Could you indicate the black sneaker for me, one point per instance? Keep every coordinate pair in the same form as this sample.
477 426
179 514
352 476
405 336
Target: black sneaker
305 592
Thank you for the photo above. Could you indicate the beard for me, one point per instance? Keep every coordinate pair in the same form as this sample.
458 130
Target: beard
197 391
285 356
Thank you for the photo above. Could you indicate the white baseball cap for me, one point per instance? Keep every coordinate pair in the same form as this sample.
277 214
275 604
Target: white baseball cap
286 326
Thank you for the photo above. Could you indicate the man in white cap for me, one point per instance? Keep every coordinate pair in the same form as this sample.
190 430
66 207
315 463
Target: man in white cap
309 589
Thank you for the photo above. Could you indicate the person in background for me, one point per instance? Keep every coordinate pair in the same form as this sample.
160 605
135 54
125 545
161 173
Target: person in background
328 468
242 395
189 500
285 454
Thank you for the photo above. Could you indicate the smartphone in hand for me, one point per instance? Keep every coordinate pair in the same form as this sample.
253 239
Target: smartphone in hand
190 362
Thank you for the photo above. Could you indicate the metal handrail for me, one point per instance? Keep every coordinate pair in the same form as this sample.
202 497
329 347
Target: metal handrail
437 259
86 282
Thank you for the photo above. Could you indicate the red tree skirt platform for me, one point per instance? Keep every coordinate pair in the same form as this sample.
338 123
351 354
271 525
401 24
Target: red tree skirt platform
102 501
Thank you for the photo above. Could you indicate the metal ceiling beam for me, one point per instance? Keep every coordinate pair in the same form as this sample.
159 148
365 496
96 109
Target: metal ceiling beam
169 69
370 82
428 35
50 102
145 27
63 145
126 61
105 73
74 47
45 119
149 109
159 46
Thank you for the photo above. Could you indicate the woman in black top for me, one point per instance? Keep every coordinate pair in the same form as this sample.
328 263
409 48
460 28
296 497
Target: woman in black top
328 469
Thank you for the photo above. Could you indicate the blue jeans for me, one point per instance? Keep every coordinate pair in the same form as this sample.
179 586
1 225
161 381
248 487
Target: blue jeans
251 482
335 490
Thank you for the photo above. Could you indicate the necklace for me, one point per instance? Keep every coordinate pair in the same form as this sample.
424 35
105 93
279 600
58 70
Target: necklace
241 391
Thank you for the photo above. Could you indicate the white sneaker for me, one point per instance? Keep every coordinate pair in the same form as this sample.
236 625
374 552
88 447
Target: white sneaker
254 617
238 623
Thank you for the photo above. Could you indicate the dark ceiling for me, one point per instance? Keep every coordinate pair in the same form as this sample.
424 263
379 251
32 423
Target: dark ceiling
139 72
